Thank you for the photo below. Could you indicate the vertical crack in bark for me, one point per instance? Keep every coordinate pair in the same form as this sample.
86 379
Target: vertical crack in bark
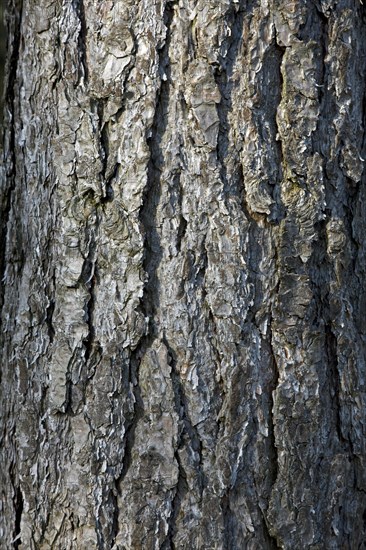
321 269
334 381
129 437
15 19
80 10
273 543
276 194
108 174
88 278
182 228
149 303
227 519
223 77
18 505
271 432
320 137
49 316
188 436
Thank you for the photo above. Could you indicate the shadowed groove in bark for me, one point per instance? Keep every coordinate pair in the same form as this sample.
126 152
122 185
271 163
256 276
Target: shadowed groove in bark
15 19
273 62
104 150
271 422
319 32
278 141
334 381
182 221
181 304
109 174
152 248
223 77
227 516
320 273
188 436
18 516
89 278
49 315
83 67
271 74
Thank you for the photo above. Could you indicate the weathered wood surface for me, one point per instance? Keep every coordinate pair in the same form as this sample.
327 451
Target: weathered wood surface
183 266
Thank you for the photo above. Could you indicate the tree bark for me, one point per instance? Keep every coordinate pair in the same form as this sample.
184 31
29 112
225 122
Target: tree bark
183 266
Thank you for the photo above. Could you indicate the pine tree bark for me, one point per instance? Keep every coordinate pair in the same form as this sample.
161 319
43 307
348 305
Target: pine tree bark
183 266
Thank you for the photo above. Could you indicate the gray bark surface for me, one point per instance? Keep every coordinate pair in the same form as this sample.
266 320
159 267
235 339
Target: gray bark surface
183 266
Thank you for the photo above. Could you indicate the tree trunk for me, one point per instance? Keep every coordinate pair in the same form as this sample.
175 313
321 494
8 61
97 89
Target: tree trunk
183 259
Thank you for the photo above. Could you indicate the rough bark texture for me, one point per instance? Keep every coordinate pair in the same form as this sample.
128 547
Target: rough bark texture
183 308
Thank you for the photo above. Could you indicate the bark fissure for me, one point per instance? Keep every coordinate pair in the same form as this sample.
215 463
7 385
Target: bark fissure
18 506
181 407
108 174
324 98
82 38
273 543
49 315
272 423
280 54
149 303
223 76
129 437
88 278
188 436
334 382
183 259
275 371
279 212
182 228
14 30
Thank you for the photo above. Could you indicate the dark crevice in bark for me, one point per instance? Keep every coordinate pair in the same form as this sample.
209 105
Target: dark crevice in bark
115 516
188 436
181 407
273 543
221 388
181 490
131 425
333 375
152 193
227 519
49 314
271 419
14 32
88 278
223 77
108 174
279 55
80 10
278 213
149 303
18 505
67 407
363 141
320 138
321 273
182 228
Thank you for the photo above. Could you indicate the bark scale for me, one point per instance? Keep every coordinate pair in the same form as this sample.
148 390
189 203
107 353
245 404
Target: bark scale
183 266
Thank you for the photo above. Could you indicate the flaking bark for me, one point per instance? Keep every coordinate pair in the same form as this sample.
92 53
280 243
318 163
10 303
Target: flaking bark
183 267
